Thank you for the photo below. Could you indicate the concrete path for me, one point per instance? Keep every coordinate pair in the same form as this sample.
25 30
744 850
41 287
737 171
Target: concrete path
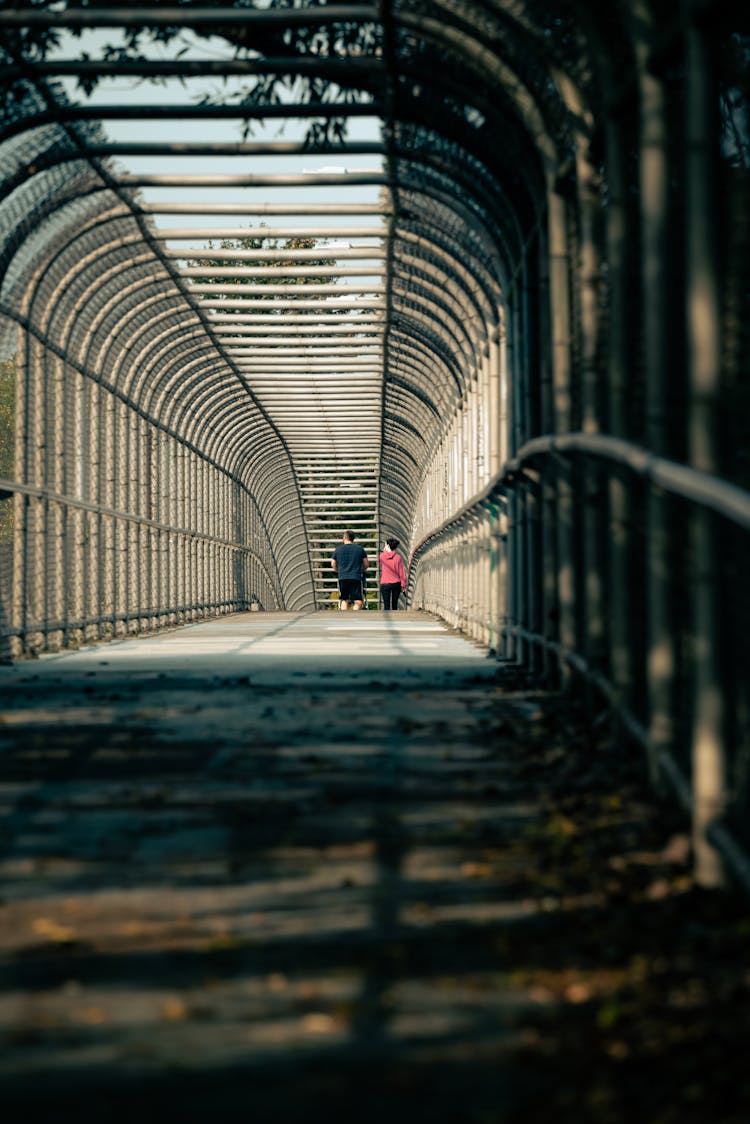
277 867
275 646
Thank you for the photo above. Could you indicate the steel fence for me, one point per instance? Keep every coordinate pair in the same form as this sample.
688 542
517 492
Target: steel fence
509 326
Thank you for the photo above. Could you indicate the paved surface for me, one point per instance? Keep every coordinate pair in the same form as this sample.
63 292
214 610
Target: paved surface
275 646
273 867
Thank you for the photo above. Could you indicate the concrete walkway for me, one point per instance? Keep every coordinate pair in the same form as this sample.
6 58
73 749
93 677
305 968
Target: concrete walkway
275 867
275 646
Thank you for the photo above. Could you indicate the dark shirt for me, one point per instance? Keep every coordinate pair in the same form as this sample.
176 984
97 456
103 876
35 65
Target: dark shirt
349 558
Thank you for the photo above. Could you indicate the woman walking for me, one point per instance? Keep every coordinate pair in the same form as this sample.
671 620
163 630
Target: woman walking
392 574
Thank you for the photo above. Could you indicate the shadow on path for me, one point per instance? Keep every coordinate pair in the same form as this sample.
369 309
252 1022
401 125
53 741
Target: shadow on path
431 893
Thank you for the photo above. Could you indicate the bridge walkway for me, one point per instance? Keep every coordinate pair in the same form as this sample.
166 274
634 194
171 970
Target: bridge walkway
293 866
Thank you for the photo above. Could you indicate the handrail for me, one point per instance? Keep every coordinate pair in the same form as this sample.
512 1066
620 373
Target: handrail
704 488
717 833
129 517
720 496
723 497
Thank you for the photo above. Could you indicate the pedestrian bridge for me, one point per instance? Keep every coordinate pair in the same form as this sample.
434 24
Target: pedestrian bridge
474 275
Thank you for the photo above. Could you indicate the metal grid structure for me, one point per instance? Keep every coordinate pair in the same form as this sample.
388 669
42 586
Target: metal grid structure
508 325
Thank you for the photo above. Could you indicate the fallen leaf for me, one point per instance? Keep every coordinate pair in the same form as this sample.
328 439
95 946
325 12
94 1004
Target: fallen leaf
173 1010
52 930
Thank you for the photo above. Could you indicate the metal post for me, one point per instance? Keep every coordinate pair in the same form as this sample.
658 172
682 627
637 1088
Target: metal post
620 239
594 502
662 658
704 367
561 378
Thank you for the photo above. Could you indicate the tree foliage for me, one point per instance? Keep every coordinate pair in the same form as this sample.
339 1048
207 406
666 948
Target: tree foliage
336 40
259 242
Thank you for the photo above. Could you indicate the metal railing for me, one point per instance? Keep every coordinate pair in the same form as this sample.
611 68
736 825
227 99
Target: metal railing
464 571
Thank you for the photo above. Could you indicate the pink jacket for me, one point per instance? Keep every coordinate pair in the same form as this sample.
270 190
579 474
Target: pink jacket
392 569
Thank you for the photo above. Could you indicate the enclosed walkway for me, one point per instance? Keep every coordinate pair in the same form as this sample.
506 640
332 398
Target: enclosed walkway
473 275
321 866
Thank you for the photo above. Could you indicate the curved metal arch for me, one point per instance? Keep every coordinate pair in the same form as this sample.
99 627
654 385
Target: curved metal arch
262 518
69 305
419 333
488 244
485 60
447 244
146 335
20 177
195 387
100 340
478 209
403 375
233 405
406 352
402 380
35 254
111 272
65 279
396 497
393 451
398 420
166 265
161 386
116 244
280 509
397 391
429 172
19 229
415 392
220 360
116 394
286 531
426 358
467 288
468 209
410 263
119 264
225 416
425 300
515 169
196 391
411 302
397 489
399 397
415 303
158 345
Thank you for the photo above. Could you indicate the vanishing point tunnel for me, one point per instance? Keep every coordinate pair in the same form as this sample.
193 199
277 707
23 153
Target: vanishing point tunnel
474 274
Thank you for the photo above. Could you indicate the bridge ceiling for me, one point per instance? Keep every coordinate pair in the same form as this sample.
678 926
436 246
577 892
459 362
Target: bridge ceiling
283 234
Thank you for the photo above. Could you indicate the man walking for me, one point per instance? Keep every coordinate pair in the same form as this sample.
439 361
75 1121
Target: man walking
349 561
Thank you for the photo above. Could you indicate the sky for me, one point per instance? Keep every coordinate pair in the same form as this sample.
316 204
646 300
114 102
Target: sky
129 91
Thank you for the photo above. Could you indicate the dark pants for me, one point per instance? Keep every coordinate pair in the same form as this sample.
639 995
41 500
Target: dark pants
389 593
